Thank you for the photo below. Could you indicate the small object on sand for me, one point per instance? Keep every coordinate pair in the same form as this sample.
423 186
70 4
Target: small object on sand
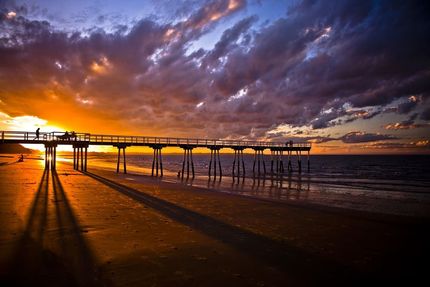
21 158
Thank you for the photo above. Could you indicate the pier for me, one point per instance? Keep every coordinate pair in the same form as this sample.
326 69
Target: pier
80 142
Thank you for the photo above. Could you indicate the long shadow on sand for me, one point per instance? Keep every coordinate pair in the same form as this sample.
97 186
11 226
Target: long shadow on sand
289 259
51 250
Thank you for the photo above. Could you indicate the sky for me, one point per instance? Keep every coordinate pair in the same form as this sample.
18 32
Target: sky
347 76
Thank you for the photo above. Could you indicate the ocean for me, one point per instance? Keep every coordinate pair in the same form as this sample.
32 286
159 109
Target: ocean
397 184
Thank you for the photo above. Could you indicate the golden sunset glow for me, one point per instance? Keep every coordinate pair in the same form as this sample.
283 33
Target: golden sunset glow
214 143
222 70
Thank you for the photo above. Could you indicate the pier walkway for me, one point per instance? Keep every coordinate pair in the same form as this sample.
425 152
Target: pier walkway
80 142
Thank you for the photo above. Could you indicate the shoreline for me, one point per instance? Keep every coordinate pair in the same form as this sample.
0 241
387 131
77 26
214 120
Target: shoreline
301 192
298 190
337 210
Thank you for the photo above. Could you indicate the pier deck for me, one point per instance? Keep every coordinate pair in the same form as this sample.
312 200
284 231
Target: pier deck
82 141
23 137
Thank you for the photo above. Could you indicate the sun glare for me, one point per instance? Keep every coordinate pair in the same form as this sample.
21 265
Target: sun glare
27 124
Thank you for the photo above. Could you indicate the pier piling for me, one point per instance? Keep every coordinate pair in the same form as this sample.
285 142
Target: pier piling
290 166
259 158
277 165
74 157
80 156
157 160
86 159
118 162
299 160
214 158
238 162
50 156
188 159
210 163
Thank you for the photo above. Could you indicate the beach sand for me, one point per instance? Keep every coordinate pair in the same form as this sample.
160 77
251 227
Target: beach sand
68 228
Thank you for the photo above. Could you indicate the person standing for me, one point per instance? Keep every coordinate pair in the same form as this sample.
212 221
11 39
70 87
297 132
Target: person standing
37 134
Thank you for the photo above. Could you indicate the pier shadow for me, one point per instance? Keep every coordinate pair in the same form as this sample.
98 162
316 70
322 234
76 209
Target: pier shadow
187 181
281 187
292 260
51 250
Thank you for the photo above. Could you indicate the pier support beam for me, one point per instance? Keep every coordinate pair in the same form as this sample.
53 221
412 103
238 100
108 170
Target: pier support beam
77 158
54 157
47 156
213 161
86 158
51 156
188 160
118 162
238 159
277 164
259 159
74 157
157 161
281 161
80 156
299 160
290 166
309 164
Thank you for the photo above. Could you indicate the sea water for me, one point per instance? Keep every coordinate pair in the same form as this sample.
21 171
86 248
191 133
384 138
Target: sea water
383 183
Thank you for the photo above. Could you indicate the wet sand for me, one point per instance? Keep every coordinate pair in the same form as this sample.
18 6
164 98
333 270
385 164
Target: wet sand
67 228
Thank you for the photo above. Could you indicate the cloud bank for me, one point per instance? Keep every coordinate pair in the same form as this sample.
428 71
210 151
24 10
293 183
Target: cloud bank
325 63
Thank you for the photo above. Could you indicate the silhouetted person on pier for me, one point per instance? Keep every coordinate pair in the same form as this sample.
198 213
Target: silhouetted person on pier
73 135
37 134
64 137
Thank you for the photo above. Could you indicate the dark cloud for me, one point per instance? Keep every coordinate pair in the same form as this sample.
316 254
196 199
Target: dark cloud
362 114
319 140
362 137
324 64
212 11
228 41
325 119
406 124
425 115
414 145
349 138
358 58
406 107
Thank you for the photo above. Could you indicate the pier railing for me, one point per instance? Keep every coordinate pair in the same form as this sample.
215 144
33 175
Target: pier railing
99 139
43 136
186 141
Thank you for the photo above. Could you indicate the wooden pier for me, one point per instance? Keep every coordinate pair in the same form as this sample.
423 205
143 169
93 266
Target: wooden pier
80 142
